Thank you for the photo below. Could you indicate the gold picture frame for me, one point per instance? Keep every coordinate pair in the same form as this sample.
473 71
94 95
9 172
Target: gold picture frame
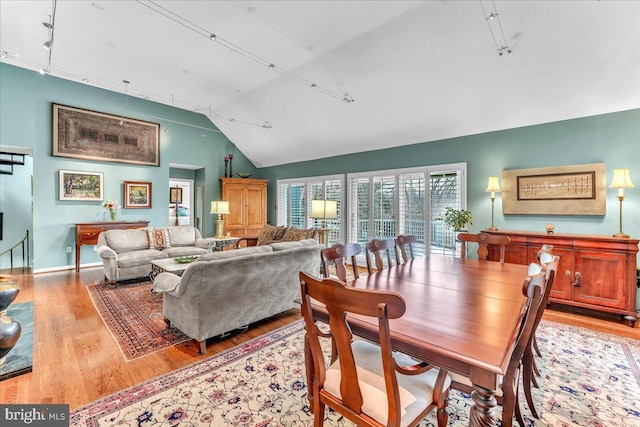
559 190
90 135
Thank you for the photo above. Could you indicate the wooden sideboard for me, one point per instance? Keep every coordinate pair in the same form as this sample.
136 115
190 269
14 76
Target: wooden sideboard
87 233
595 272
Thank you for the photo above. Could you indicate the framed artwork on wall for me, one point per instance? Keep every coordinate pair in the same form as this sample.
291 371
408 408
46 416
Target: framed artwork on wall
77 185
137 195
90 135
175 195
558 190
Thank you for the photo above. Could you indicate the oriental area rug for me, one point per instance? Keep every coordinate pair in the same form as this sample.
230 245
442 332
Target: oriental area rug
589 379
134 317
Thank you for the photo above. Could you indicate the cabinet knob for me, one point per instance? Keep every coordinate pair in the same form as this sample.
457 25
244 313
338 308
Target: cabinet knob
576 282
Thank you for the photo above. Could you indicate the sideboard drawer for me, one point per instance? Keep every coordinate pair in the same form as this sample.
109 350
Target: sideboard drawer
89 236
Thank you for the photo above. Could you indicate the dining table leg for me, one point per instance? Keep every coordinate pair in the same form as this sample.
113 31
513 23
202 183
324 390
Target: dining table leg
483 411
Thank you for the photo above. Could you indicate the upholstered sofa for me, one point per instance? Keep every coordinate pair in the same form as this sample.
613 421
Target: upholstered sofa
223 291
127 254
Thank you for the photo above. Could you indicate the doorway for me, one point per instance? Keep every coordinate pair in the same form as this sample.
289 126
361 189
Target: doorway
181 201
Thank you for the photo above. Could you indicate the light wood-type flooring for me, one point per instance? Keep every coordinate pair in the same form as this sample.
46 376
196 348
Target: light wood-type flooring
76 360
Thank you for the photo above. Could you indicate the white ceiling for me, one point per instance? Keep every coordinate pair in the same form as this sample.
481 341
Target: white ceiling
417 70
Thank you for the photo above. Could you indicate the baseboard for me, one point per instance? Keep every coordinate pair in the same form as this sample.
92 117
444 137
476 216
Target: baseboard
65 267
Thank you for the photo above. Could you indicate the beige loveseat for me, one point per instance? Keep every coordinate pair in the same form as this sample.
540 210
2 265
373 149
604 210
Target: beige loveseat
227 290
127 254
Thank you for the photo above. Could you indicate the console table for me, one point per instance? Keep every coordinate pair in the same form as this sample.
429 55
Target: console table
87 233
595 272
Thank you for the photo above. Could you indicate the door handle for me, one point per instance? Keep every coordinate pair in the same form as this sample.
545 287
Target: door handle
577 283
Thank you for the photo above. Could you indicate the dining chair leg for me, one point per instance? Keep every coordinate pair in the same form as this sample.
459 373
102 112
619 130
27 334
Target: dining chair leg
535 368
318 413
527 379
509 400
442 414
535 345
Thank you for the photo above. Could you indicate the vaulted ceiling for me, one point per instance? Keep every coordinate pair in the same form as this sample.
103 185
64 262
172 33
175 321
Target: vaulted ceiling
417 71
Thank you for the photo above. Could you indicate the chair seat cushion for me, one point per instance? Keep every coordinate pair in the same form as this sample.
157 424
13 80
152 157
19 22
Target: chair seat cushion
416 391
138 258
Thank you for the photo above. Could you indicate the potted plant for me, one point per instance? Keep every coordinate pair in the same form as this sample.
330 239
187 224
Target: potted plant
458 219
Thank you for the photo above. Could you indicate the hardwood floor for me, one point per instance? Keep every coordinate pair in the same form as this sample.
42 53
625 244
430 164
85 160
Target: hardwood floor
76 360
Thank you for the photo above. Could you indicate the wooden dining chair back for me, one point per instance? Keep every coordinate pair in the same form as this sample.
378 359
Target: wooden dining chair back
376 248
337 253
533 288
549 268
484 240
367 383
404 242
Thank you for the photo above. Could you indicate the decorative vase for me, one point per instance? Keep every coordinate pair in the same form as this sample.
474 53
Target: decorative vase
112 213
10 328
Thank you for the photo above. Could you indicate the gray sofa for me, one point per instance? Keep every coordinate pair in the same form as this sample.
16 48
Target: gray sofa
126 254
227 290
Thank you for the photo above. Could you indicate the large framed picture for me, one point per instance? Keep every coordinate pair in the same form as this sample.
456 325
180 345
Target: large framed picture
557 190
89 135
77 185
137 195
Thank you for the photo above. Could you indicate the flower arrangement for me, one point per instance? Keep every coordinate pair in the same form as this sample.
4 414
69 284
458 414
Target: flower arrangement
112 207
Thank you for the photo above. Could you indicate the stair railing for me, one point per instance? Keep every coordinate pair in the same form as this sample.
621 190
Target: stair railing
20 243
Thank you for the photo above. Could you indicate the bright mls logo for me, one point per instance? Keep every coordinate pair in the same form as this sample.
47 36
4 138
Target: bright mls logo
34 415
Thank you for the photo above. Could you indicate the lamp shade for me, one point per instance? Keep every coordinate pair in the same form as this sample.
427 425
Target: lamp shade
220 207
621 179
324 209
494 185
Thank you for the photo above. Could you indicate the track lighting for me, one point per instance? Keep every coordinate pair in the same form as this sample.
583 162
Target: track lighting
495 27
48 44
42 71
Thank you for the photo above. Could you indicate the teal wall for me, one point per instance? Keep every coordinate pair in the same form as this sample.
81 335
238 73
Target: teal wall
611 138
25 121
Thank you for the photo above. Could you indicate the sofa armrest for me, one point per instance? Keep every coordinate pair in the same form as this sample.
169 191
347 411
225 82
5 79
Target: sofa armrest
167 283
205 243
106 252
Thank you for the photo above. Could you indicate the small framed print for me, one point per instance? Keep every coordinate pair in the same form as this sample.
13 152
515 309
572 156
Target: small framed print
137 195
76 185
175 195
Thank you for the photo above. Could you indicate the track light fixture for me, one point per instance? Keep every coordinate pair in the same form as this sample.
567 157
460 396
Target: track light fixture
495 27
48 45
161 10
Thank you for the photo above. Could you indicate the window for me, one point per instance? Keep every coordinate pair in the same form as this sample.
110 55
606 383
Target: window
384 204
380 204
294 203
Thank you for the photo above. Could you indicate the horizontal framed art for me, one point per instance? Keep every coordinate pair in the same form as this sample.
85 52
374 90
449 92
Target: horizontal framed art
137 195
561 190
89 135
76 185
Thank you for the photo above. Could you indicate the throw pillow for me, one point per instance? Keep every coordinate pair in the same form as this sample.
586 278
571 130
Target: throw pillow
281 229
295 234
268 233
159 238
183 212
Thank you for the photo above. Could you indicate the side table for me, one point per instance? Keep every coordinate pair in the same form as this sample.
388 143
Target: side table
219 244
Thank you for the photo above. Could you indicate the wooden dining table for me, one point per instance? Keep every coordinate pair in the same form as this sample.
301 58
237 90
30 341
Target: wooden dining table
462 315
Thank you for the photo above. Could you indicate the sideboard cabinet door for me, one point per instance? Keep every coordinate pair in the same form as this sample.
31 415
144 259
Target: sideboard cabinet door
595 272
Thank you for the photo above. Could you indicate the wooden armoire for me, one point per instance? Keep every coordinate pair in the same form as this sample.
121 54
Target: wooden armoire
247 205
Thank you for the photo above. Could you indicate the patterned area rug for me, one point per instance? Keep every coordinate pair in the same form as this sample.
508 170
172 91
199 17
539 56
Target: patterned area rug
590 379
133 315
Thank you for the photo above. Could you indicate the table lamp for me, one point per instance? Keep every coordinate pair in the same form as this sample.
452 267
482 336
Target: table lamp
493 187
323 210
621 180
220 208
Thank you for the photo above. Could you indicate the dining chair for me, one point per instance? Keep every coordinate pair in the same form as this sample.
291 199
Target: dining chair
368 383
337 253
375 247
529 369
483 240
403 242
533 288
